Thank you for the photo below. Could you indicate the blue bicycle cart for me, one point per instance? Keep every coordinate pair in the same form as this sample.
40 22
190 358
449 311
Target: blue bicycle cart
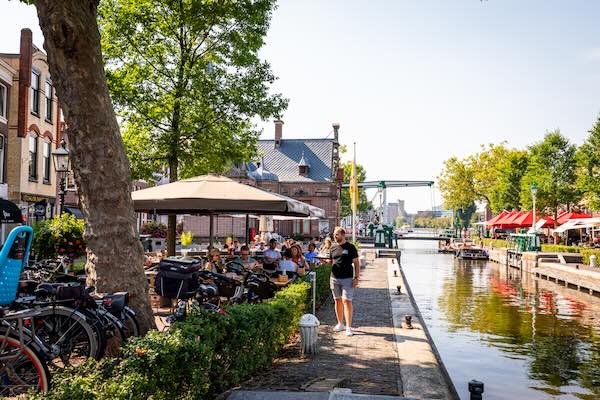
14 252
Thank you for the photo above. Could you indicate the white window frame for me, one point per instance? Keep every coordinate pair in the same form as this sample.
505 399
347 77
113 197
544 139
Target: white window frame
46 161
3 108
35 90
48 97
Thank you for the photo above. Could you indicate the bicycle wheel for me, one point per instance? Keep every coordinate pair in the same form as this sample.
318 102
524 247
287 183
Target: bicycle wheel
131 323
21 369
69 338
99 331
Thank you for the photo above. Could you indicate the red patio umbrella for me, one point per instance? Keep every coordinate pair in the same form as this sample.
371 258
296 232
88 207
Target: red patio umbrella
492 221
567 216
524 220
506 221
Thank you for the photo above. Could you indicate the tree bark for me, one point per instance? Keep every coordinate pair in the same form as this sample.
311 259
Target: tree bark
100 165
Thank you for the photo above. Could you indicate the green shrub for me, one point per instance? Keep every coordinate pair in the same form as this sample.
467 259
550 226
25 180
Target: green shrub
559 248
495 243
587 253
198 358
61 235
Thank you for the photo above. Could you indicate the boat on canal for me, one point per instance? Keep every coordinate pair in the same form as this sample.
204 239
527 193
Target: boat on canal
464 249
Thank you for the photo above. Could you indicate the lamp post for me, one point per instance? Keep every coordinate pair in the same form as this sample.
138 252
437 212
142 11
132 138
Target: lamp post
61 166
534 190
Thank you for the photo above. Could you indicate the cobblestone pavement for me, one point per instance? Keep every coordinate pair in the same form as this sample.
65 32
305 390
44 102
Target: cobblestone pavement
368 360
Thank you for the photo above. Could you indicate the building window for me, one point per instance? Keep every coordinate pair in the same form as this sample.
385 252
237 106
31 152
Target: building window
35 92
47 161
306 226
49 94
33 150
2 141
3 92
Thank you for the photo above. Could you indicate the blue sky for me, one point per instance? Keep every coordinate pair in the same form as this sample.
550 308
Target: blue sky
415 82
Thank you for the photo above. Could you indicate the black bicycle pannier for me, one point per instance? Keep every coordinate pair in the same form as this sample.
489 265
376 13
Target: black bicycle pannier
177 278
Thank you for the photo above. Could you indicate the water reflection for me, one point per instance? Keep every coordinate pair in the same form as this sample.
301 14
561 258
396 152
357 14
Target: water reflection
525 338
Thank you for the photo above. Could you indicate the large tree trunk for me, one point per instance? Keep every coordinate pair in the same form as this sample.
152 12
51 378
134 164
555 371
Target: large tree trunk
100 165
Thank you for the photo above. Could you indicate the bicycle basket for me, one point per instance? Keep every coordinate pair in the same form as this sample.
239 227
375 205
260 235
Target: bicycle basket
13 257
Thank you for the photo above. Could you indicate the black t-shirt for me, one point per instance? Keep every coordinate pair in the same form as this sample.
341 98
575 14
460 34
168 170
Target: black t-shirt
342 256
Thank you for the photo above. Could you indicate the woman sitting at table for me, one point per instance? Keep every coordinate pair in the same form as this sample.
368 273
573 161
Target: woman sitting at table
297 256
286 264
215 263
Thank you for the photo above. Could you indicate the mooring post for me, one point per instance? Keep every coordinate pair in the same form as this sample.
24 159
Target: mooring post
476 389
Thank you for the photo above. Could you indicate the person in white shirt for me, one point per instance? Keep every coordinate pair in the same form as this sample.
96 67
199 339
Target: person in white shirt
271 256
287 264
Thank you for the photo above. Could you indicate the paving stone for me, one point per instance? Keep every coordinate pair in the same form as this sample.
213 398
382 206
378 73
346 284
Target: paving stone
367 361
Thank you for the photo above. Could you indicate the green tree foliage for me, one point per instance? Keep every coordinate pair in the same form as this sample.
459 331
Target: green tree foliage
474 178
456 183
432 222
506 193
485 170
187 81
363 203
588 165
552 166
464 216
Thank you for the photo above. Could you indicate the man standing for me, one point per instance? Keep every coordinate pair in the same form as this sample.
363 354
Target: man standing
345 272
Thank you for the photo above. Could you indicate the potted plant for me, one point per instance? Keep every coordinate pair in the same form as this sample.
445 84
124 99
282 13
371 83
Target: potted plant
186 240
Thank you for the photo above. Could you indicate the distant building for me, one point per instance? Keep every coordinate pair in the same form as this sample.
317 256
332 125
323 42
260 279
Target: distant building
395 210
305 169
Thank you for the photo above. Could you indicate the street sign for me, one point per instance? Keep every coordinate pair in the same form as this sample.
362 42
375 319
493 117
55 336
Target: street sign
40 209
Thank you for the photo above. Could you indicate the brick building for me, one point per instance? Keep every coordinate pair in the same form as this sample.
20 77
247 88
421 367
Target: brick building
30 129
304 169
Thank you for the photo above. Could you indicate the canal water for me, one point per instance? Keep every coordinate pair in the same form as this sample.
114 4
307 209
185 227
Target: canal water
524 338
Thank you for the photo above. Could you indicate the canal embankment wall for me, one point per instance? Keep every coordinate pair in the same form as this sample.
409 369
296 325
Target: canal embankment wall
423 374
565 269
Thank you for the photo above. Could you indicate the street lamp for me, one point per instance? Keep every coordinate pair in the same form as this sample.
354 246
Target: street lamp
534 190
61 166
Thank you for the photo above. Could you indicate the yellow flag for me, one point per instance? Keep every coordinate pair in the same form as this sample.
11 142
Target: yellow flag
354 188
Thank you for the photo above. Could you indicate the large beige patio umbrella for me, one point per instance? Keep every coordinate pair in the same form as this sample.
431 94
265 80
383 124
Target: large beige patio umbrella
215 194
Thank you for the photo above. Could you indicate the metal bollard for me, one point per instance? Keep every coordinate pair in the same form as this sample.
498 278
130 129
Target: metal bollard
408 321
476 390
395 273
399 289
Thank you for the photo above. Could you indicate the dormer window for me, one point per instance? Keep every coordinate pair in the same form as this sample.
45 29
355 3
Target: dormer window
303 166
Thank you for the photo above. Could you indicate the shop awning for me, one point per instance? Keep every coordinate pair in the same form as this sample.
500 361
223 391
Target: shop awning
10 213
74 211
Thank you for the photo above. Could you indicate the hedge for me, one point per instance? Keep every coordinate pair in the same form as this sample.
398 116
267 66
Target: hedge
496 243
198 358
557 248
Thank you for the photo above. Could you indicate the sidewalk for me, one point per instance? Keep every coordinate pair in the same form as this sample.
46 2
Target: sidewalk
366 363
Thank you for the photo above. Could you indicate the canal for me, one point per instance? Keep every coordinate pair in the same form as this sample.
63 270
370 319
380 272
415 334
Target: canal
524 338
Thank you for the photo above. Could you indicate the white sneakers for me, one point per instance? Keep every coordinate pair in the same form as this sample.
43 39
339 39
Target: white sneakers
340 327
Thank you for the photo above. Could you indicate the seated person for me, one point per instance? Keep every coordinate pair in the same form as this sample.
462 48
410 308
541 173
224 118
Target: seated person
271 256
297 256
286 264
311 254
215 263
261 246
245 259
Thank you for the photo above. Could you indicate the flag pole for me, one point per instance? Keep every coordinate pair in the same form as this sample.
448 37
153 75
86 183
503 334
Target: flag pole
354 198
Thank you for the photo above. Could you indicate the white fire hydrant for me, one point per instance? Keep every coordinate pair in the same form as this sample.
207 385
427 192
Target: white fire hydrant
309 333
593 261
